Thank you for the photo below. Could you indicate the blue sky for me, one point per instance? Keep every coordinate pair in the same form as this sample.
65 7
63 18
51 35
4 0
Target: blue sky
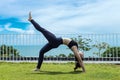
60 16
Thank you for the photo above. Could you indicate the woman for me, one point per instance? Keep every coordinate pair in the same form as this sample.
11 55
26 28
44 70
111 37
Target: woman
54 42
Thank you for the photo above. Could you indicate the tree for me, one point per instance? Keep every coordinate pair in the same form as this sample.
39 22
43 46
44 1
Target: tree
8 51
62 55
70 55
50 56
83 43
100 47
112 52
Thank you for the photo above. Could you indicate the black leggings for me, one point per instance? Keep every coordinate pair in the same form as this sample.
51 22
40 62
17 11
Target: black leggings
53 42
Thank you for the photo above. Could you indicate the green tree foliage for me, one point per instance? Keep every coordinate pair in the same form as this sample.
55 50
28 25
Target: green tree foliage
83 43
8 51
70 55
112 52
100 46
62 55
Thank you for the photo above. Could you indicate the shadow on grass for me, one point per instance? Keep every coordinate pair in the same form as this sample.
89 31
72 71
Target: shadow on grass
56 72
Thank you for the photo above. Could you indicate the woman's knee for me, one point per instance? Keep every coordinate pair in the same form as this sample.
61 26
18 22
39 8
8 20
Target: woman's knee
41 52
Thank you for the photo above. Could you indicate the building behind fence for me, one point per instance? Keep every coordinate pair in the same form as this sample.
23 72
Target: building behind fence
25 47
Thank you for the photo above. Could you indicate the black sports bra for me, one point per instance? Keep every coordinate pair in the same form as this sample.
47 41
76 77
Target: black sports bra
72 43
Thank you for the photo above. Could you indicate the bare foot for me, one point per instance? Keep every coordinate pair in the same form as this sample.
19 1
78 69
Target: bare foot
30 17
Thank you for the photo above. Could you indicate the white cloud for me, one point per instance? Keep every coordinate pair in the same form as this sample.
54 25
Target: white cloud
59 16
98 17
30 30
13 29
18 30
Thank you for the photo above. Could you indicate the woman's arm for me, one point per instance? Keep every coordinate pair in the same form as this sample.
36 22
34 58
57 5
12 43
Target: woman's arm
80 61
76 53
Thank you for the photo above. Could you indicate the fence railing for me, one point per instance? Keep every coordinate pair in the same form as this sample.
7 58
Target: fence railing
100 48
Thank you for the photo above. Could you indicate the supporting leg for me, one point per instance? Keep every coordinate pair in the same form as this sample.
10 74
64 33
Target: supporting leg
46 48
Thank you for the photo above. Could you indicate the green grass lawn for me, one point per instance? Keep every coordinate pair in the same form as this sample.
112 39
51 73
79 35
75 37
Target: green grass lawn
52 71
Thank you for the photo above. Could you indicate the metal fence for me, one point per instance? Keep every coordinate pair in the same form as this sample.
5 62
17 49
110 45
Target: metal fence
97 48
